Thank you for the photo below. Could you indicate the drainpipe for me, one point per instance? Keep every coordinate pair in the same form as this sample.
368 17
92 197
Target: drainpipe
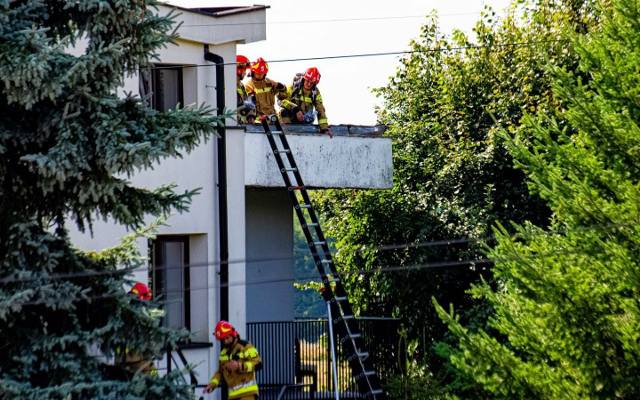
222 186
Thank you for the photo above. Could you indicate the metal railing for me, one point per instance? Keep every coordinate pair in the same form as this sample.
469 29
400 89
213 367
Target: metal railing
297 357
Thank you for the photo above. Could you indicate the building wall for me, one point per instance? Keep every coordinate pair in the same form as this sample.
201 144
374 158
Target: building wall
269 222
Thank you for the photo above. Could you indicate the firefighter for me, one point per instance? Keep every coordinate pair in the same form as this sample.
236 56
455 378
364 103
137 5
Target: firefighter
304 101
131 360
262 90
237 366
246 109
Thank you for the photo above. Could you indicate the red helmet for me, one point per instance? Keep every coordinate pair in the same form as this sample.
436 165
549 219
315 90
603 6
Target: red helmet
260 66
242 62
312 75
141 291
223 330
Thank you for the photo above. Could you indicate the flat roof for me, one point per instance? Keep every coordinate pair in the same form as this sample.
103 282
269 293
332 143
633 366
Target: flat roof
220 11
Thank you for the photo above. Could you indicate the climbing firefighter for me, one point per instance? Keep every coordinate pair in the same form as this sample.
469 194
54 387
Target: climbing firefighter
237 366
304 101
246 108
262 90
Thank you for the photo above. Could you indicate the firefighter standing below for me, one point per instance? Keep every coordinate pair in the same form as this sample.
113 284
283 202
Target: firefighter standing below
304 101
239 360
246 108
262 90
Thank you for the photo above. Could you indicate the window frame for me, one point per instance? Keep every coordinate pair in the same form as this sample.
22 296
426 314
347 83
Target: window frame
154 248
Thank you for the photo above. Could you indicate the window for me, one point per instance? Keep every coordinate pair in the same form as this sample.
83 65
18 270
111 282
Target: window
161 86
170 279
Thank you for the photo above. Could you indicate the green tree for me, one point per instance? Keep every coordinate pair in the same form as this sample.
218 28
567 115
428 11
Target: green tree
567 316
453 177
67 142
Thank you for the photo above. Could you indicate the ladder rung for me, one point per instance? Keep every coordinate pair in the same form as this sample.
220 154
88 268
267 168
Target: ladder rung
283 151
320 243
325 261
313 224
363 355
376 392
305 205
275 132
355 335
365 374
348 316
331 280
293 169
341 298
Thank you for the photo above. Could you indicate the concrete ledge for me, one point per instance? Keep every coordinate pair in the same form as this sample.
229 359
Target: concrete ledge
354 158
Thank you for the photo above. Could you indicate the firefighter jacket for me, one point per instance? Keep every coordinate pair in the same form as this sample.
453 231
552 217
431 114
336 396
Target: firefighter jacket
246 108
264 93
300 99
241 382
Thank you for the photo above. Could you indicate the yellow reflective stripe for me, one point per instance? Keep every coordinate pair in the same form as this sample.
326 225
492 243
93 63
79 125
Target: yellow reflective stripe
307 99
287 103
248 366
265 90
214 382
224 358
240 91
251 353
248 387
322 121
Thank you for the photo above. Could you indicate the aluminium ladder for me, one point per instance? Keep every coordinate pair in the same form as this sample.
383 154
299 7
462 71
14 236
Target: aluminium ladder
343 320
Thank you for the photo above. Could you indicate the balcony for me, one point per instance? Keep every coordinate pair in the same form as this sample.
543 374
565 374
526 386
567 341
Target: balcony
356 157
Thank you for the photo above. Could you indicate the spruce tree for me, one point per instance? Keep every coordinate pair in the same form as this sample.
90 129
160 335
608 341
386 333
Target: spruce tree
68 143
567 316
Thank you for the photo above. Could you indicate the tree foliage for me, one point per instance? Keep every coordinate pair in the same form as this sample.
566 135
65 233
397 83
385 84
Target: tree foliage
453 178
567 317
67 144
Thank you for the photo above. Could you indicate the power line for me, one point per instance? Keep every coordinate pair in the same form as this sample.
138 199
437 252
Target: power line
435 243
360 272
330 20
380 54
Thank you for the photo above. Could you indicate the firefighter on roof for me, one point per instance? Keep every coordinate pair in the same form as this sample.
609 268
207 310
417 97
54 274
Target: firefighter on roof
262 90
304 101
246 108
237 366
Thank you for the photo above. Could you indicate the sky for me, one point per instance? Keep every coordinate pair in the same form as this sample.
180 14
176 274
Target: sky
300 29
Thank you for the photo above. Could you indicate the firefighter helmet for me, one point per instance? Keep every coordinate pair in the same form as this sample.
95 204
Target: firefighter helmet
141 291
312 75
260 66
242 62
224 329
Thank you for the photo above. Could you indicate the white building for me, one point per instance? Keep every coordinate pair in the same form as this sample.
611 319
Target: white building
242 186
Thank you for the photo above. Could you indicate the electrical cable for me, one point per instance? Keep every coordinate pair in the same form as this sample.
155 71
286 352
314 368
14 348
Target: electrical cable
445 242
387 53
471 263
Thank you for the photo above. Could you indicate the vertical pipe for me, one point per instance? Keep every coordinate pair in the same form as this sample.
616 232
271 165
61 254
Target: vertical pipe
333 352
222 185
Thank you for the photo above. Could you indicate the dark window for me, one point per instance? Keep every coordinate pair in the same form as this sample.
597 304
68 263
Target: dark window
170 278
161 86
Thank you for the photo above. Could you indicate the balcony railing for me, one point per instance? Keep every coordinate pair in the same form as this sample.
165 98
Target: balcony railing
296 355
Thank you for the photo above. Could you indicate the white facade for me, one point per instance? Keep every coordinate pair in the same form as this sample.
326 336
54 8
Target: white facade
259 213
